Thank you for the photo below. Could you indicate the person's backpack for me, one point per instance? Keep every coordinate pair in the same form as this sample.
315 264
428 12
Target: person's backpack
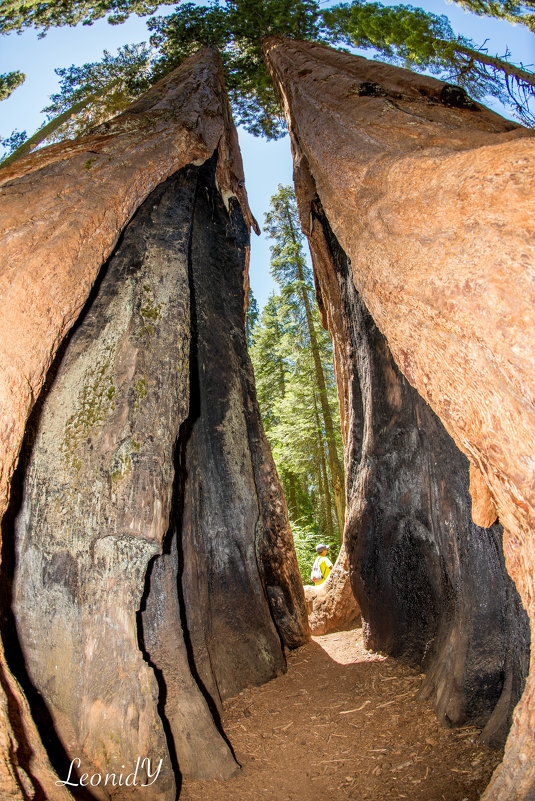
316 574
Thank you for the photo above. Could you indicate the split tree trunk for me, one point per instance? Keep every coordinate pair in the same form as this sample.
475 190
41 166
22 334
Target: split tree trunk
433 204
102 483
82 194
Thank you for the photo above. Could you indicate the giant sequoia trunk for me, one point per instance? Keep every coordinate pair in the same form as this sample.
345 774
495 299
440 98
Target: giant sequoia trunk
154 573
96 497
432 586
428 195
97 501
148 508
82 195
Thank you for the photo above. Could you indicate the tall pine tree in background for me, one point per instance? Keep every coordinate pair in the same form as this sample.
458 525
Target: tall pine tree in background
510 10
292 357
251 318
91 94
15 15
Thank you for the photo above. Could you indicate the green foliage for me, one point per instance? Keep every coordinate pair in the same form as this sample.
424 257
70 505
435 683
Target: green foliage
15 15
288 389
251 317
9 82
402 34
12 142
288 261
237 28
419 40
411 36
287 395
305 540
503 9
112 83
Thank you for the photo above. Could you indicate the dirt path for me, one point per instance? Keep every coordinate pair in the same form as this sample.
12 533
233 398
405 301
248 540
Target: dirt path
345 724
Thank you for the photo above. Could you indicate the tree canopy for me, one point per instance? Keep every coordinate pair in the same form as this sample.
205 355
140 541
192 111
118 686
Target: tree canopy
251 317
88 95
503 9
114 82
15 15
403 34
237 28
420 40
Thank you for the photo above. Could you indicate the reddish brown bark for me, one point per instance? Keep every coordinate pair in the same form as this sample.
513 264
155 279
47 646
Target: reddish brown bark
332 605
433 203
63 209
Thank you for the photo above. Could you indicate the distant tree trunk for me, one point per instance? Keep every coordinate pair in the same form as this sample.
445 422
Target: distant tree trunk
324 476
337 472
419 194
280 366
319 496
292 502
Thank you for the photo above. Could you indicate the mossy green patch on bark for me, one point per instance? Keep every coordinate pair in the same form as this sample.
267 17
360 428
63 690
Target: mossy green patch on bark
140 391
95 401
150 311
122 465
123 468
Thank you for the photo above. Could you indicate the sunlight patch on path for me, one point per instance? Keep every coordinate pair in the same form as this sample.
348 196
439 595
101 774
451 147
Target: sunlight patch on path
346 648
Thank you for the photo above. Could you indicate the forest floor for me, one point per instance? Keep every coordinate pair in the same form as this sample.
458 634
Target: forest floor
341 724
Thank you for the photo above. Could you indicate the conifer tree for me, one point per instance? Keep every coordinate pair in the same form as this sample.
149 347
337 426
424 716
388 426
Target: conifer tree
237 28
9 82
504 9
420 40
289 404
12 142
290 270
296 388
404 34
251 317
15 15
91 94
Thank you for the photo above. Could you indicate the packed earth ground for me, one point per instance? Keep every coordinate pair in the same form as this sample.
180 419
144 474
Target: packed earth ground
345 723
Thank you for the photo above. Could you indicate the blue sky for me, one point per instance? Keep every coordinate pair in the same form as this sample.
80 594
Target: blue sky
266 164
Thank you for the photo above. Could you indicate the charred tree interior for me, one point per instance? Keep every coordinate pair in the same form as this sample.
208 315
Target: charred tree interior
411 191
432 586
149 431
148 569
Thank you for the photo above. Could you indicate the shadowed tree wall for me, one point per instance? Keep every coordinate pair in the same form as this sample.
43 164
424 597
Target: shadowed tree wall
429 198
116 459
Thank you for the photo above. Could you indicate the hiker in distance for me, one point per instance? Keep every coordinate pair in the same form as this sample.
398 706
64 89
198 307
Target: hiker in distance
322 565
